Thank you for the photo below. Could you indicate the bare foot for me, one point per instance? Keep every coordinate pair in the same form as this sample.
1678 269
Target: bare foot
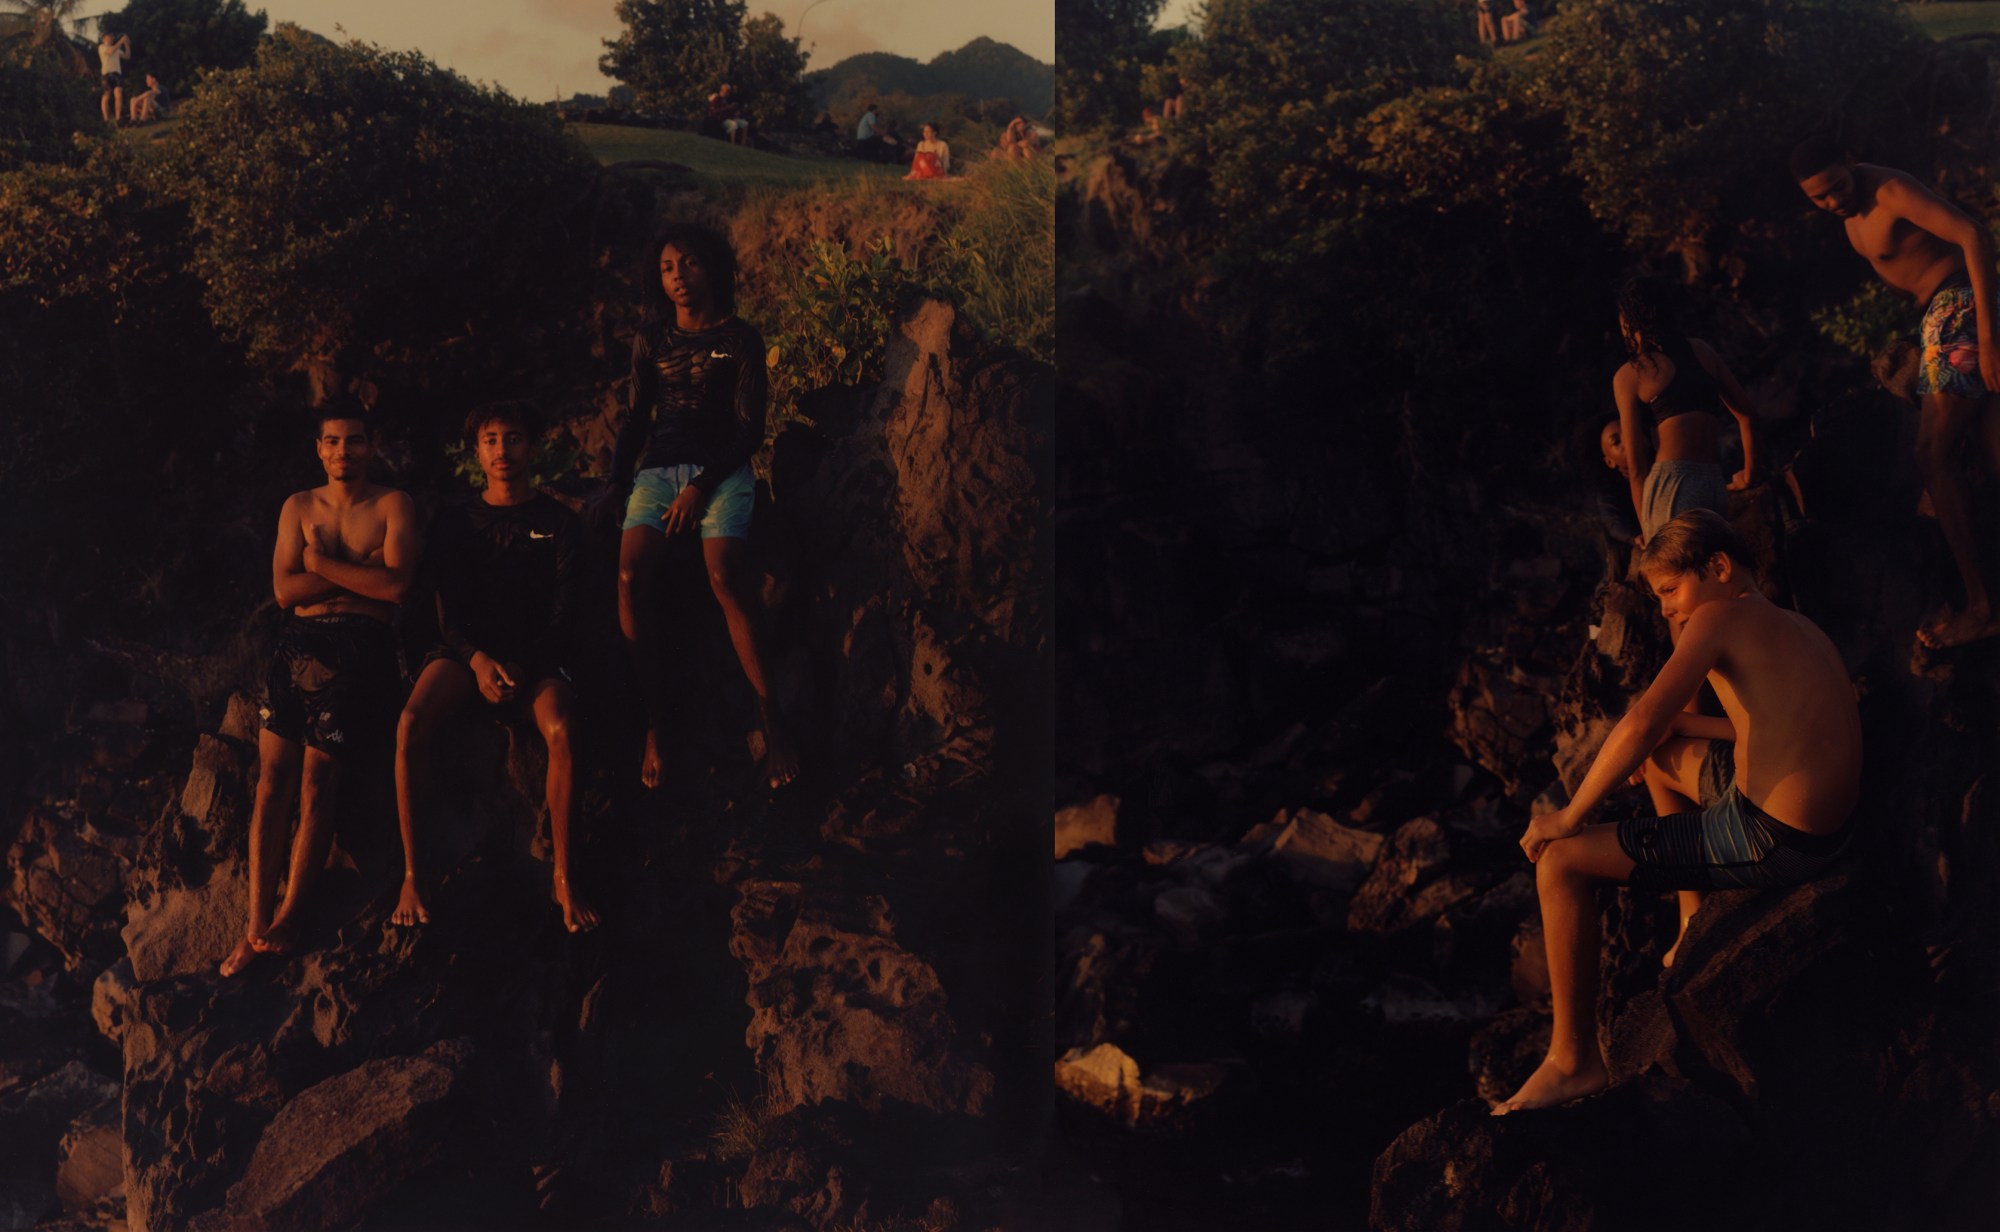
242 956
1959 629
1667 959
578 915
277 939
1550 1085
410 909
649 765
781 756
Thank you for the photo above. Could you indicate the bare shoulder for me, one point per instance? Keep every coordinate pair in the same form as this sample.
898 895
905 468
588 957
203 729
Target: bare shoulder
394 502
1893 187
1626 378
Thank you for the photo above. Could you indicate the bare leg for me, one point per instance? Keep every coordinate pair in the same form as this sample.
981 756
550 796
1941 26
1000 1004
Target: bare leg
1566 878
1948 421
1673 780
553 707
729 577
639 553
442 687
277 783
104 107
309 848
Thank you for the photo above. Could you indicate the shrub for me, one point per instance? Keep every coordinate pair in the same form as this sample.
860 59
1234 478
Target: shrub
41 109
352 207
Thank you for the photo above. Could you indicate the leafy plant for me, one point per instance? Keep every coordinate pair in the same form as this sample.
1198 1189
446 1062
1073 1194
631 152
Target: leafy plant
834 319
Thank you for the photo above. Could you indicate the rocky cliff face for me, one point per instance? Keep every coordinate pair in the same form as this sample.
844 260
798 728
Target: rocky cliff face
1321 687
814 1005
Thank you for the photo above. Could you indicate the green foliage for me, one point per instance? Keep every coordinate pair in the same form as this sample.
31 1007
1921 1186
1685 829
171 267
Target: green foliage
674 53
1679 112
1000 254
173 39
1102 50
41 107
768 70
352 207
70 234
1867 322
1282 104
834 317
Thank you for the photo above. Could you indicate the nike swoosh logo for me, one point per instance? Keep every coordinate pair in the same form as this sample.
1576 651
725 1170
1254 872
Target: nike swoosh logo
535 534
718 355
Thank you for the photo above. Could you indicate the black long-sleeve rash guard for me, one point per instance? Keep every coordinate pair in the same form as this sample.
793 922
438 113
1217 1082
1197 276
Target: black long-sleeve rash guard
506 580
703 397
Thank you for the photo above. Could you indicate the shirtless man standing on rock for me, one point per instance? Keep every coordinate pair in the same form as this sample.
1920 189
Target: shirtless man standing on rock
1925 247
1783 821
346 555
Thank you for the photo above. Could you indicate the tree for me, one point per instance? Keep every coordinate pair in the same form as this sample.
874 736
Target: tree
769 70
1102 47
175 38
41 107
38 33
674 53
1679 112
353 209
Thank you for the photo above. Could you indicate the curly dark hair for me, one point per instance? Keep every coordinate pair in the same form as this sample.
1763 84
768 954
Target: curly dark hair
705 245
520 413
1652 311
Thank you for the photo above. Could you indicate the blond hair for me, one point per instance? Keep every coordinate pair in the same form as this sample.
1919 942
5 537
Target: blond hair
1686 544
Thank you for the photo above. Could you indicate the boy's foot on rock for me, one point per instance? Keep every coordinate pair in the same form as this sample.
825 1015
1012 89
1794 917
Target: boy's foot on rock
277 939
242 956
1959 629
1549 1086
781 756
649 765
410 909
578 915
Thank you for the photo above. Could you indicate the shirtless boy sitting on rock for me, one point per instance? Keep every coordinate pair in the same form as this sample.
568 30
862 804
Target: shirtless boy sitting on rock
1784 820
346 555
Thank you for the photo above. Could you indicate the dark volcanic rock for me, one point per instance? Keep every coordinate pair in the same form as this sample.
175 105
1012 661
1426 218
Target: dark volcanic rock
67 888
1654 1154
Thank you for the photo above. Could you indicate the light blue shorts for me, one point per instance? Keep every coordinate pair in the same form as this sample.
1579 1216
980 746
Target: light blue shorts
727 515
1673 488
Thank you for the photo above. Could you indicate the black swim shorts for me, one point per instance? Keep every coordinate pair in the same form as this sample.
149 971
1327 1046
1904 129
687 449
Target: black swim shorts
1729 845
332 680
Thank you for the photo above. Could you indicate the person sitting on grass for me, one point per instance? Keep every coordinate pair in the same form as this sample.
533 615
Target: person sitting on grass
933 158
1518 24
1783 820
154 104
509 561
725 111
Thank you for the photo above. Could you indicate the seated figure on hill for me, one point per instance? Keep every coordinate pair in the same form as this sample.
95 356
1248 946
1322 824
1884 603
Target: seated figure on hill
154 104
933 158
725 111
1019 140
508 562
346 556
1783 819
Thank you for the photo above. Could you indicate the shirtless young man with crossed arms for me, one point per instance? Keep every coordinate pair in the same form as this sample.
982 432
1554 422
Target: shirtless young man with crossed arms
1784 820
1925 247
346 555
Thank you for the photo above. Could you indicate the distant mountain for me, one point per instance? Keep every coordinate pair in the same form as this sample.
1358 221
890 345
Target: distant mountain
982 68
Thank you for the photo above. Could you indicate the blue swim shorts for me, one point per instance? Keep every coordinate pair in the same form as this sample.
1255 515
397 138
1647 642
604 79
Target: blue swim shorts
1730 845
727 515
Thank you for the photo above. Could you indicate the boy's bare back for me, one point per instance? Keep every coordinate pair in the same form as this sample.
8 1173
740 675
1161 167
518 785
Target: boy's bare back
1798 729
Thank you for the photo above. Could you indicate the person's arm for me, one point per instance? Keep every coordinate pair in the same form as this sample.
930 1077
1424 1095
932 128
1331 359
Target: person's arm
293 585
1910 199
1639 732
1740 406
388 582
1702 726
641 391
1638 444
753 391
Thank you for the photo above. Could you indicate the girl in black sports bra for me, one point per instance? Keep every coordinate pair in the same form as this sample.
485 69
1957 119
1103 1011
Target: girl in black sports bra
1680 389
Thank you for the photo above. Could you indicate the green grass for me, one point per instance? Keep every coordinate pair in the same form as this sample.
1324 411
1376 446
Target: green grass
1943 21
612 143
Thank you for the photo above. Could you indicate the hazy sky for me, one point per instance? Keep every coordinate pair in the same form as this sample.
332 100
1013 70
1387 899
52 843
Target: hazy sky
1176 12
534 48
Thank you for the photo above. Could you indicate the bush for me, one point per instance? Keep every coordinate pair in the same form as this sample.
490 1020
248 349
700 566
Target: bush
352 207
41 110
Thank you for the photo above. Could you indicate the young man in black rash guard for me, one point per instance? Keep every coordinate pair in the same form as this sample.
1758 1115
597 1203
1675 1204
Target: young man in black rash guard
507 564
697 407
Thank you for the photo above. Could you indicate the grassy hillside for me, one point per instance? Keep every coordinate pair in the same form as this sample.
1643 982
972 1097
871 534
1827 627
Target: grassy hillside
1940 21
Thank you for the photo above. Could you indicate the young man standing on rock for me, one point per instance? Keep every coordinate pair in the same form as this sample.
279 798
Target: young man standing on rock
345 558
1783 820
1923 246
508 564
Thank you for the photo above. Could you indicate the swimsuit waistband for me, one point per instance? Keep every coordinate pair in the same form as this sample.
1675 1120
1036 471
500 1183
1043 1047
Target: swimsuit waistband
1805 841
1957 282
